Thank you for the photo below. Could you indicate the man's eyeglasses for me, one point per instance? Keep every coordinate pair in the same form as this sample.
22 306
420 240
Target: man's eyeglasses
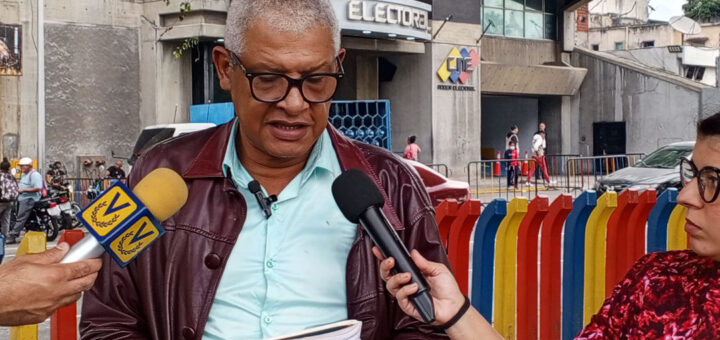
708 178
273 87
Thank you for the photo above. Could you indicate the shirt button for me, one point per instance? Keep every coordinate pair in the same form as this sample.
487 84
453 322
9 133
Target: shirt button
188 333
267 320
269 263
274 207
212 261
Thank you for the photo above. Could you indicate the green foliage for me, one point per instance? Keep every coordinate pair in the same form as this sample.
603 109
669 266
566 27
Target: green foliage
188 43
702 9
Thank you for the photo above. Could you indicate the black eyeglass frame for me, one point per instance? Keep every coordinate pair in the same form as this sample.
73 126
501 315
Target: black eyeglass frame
292 82
696 174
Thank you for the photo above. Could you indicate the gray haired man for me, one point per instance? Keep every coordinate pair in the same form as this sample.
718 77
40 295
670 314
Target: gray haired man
229 269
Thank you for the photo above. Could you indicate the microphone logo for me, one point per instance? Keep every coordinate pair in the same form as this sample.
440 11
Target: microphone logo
121 223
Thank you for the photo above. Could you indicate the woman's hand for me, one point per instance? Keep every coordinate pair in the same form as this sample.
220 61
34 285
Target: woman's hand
446 295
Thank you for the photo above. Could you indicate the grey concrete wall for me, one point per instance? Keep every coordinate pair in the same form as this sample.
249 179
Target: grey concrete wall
92 99
18 94
499 112
657 57
513 51
456 116
411 102
656 111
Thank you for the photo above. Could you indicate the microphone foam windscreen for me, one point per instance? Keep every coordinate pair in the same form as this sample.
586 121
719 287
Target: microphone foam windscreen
354 192
254 186
163 191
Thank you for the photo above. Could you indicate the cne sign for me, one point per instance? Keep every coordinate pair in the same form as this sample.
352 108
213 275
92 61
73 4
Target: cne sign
393 14
457 68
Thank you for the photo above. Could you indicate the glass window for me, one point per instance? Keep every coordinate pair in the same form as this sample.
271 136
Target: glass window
534 25
619 45
551 6
550 27
514 4
494 3
665 158
536 5
532 19
514 23
493 21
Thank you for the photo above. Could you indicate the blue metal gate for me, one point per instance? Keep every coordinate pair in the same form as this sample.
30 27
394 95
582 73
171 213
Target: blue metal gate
364 120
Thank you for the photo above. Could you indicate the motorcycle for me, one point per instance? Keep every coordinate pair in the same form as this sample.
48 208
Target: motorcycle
60 194
44 217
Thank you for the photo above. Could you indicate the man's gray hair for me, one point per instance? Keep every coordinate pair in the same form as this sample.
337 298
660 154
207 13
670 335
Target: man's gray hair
295 16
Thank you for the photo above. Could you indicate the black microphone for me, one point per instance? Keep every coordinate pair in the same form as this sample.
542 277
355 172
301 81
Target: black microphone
360 200
265 202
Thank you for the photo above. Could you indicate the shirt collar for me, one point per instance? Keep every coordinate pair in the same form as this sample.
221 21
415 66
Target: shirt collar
322 157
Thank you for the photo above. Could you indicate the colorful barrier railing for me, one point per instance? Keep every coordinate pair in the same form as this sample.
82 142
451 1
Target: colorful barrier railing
593 240
589 242
33 242
63 322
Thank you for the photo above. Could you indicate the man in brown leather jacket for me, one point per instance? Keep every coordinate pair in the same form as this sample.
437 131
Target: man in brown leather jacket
281 65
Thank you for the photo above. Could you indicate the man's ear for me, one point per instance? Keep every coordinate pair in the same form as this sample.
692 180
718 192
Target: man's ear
341 54
221 58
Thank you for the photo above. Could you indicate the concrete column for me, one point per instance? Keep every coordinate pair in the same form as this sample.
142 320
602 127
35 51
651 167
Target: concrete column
367 77
566 125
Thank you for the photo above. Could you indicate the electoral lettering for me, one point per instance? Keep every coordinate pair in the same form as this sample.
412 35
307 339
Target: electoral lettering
386 13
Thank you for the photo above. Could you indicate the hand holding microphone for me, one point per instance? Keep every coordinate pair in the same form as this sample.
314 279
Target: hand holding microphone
125 222
359 199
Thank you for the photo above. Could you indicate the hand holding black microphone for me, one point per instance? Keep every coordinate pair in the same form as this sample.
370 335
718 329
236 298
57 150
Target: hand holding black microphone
360 200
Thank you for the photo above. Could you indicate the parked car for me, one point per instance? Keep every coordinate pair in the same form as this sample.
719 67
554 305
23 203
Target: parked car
658 170
154 134
440 187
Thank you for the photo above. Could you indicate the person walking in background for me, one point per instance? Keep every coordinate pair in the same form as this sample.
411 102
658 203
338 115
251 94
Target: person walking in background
538 150
8 194
541 127
412 150
512 135
513 169
30 191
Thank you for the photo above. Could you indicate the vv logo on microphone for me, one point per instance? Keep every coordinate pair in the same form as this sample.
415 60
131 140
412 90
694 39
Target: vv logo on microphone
121 223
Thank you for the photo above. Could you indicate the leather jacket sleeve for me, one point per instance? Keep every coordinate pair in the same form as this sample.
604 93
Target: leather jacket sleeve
419 231
111 309
109 312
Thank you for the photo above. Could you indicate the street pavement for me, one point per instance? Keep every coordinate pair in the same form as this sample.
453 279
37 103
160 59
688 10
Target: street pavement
43 328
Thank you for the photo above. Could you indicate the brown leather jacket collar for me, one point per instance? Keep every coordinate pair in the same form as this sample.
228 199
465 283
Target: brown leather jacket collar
208 162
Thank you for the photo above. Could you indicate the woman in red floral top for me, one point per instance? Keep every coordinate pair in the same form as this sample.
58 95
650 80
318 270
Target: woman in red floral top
676 294
666 295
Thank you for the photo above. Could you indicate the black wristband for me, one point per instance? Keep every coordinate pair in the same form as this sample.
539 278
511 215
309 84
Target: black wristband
457 316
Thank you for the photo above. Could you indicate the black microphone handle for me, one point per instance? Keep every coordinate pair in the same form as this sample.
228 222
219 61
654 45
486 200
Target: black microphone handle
385 238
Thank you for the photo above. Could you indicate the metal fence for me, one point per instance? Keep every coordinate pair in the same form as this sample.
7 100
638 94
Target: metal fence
84 190
441 168
584 172
567 173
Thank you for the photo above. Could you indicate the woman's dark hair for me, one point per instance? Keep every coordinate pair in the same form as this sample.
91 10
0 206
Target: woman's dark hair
513 127
411 139
5 164
709 126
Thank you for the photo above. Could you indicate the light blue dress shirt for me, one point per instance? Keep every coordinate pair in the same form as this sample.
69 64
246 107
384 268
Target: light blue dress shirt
32 179
285 273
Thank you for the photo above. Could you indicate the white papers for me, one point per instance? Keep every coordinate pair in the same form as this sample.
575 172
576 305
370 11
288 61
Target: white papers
343 330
